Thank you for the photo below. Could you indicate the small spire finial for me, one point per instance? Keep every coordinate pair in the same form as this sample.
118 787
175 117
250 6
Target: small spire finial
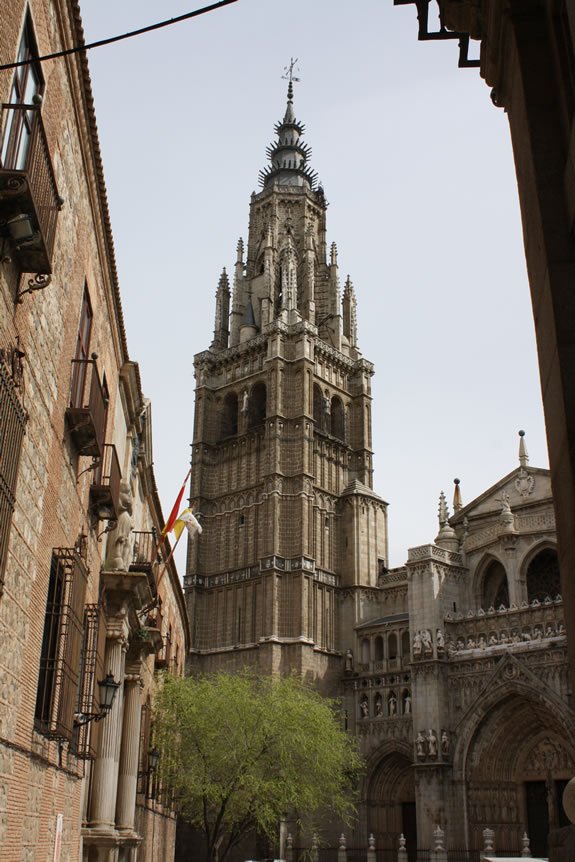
457 501
289 75
443 510
523 456
333 254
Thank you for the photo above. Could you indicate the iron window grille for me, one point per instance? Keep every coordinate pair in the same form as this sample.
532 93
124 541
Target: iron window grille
12 426
85 739
59 675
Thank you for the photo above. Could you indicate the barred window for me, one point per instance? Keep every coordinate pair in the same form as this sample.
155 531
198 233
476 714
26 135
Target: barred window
12 425
85 739
61 645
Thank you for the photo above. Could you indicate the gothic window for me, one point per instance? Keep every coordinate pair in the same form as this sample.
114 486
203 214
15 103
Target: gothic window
392 646
58 679
337 418
317 407
257 405
229 423
405 644
12 425
26 85
543 576
495 586
365 651
378 648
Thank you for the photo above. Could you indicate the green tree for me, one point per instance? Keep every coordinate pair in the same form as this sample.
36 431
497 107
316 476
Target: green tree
238 752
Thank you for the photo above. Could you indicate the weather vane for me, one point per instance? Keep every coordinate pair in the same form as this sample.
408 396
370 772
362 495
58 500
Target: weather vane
289 75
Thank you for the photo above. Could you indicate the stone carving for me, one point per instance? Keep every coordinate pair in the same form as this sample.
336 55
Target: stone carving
120 538
392 704
444 743
407 704
440 641
348 660
524 483
427 642
438 836
417 645
420 745
364 707
378 706
431 744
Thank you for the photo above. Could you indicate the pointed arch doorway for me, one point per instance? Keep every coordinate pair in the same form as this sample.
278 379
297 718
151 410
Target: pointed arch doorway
391 803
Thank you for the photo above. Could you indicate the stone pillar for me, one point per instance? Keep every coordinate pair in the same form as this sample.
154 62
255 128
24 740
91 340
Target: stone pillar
104 783
128 774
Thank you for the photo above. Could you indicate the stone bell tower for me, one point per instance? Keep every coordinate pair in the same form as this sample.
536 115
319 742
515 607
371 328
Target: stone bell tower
293 534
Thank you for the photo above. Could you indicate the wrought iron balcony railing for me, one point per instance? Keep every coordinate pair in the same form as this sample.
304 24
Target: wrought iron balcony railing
28 193
86 415
144 556
105 487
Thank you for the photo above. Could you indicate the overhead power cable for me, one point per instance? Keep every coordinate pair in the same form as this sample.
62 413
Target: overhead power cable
79 48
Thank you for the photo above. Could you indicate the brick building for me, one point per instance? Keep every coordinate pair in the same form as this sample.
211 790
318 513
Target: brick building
81 600
441 664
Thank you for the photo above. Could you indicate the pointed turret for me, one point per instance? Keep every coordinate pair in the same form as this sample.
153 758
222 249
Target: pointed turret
457 501
248 328
523 456
350 313
288 156
447 537
221 322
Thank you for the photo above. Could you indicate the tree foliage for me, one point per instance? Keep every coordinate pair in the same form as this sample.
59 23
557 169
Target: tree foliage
238 752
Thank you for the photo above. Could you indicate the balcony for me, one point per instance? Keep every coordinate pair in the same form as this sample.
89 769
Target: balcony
29 200
86 415
105 487
144 556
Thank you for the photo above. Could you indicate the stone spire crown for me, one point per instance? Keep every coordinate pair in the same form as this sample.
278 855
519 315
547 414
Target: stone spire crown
523 455
288 156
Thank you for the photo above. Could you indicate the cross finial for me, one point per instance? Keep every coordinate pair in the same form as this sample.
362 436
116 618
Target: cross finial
289 75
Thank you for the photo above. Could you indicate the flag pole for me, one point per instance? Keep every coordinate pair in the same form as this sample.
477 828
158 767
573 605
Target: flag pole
162 573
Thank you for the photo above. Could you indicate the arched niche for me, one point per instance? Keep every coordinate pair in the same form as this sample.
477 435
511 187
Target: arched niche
494 585
257 406
317 407
365 650
391 801
337 418
229 417
392 646
542 577
378 648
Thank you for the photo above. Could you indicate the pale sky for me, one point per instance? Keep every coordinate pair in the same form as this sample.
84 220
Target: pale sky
416 164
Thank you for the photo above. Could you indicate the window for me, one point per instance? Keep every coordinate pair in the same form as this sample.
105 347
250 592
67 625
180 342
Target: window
27 85
229 422
85 741
257 405
61 645
337 418
82 350
12 425
543 581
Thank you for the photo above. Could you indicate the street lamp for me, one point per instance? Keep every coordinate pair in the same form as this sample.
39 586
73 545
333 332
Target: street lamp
108 688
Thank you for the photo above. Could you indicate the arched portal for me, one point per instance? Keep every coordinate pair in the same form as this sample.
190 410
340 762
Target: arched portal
517 764
391 803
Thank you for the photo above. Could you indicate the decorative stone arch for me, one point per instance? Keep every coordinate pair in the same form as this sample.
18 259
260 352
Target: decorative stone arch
378 648
392 645
493 745
229 416
317 407
540 572
405 644
337 418
257 405
389 793
490 583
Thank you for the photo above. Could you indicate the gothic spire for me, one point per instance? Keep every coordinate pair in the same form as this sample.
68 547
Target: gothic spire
288 156
221 323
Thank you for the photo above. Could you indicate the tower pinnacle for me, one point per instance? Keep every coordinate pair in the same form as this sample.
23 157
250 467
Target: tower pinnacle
288 156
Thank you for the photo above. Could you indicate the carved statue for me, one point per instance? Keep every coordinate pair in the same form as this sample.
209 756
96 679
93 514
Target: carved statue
440 640
245 400
444 742
392 703
120 537
364 707
431 744
378 706
420 744
417 645
427 642
348 660
407 704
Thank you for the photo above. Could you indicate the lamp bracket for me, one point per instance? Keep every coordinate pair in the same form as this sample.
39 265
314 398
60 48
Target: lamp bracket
40 281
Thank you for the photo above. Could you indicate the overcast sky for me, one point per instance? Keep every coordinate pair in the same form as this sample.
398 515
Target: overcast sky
417 167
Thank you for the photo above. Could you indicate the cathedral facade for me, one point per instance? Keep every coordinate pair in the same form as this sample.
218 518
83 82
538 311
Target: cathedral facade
451 669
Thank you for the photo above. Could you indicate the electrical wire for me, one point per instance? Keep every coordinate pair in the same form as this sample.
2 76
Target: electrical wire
109 41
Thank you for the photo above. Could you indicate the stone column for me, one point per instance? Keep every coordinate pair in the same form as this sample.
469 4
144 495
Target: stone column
104 784
129 756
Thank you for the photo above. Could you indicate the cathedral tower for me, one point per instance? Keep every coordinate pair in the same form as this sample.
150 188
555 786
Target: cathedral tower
293 534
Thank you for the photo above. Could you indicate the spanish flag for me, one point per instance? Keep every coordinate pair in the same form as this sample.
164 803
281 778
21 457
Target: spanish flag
174 513
188 520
